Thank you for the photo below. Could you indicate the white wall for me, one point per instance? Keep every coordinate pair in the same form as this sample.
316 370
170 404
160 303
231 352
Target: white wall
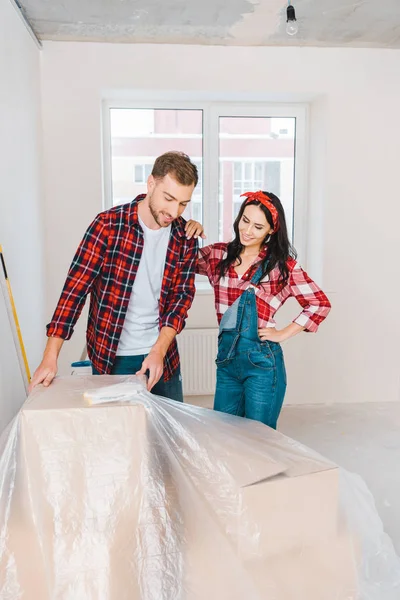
20 198
353 205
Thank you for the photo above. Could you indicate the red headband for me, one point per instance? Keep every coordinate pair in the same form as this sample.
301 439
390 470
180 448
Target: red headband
266 201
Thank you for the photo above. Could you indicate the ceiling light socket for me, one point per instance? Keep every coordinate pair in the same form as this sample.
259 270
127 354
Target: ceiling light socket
291 22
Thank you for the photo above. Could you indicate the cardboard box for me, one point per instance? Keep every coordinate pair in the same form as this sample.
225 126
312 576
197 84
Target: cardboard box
147 501
323 571
281 512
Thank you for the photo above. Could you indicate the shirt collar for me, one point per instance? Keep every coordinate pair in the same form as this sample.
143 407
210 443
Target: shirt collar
254 265
263 253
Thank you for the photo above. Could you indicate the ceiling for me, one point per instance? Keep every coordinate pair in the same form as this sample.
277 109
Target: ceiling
345 23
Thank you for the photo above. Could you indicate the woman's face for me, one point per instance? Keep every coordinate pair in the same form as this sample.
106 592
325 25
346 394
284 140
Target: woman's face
253 227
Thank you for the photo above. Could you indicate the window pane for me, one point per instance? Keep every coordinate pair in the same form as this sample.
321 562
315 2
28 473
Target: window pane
255 153
139 135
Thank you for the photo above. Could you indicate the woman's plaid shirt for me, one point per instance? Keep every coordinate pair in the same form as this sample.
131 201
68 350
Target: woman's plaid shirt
270 295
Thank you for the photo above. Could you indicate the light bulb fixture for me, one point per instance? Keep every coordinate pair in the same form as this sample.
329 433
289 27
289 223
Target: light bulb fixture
291 22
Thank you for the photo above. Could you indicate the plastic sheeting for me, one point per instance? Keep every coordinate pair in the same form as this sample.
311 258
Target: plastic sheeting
117 494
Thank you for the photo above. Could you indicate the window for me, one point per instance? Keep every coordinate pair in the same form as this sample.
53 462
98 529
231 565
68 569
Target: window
236 148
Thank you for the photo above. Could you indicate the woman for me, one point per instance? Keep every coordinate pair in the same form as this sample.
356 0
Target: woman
252 277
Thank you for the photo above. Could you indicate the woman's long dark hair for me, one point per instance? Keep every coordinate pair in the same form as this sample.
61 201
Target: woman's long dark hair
278 244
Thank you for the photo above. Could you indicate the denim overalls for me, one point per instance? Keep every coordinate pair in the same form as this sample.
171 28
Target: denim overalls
251 376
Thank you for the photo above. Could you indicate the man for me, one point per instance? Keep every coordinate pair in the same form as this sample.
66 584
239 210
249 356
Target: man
139 269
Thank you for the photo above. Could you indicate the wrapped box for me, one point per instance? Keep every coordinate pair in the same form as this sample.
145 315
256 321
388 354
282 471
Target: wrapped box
285 511
149 499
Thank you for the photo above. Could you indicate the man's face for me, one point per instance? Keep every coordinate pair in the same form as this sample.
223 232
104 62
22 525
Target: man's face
167 199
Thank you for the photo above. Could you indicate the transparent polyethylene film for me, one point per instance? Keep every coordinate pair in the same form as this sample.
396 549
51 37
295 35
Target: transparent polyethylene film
111 493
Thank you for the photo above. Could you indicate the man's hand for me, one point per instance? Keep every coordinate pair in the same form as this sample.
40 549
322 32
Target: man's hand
45 373
154 363
194 229
47 369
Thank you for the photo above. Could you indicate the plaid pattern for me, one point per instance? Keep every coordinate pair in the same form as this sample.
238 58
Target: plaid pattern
269 294
105 266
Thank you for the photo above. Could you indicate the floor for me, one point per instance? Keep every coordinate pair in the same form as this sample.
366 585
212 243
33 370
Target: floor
362 438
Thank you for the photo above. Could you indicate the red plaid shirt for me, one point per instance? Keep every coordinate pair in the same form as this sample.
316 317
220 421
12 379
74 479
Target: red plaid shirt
270 295
105 267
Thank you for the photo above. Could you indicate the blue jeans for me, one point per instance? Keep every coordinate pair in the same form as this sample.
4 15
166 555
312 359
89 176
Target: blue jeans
129 365
251 382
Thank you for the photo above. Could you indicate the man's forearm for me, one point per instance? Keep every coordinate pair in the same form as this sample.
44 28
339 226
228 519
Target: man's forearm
53 347
164 340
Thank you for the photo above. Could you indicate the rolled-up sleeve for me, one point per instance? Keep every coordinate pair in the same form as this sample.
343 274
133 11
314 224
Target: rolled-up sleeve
203 262
314 302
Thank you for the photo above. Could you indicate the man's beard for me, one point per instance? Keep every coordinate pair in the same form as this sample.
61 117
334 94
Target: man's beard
156 215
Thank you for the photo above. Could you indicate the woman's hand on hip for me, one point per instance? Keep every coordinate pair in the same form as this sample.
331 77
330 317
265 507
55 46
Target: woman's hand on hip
270 334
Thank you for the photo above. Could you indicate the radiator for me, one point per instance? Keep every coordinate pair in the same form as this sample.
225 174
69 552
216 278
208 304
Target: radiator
198 349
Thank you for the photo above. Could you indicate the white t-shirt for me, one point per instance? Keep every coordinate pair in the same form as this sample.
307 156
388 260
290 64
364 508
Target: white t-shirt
140 330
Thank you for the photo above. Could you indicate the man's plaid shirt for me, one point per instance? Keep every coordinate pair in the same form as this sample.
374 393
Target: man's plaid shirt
105 266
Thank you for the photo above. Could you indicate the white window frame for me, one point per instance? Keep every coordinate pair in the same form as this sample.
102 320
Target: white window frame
212 111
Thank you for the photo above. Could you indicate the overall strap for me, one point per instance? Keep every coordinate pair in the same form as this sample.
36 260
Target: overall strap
255 280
